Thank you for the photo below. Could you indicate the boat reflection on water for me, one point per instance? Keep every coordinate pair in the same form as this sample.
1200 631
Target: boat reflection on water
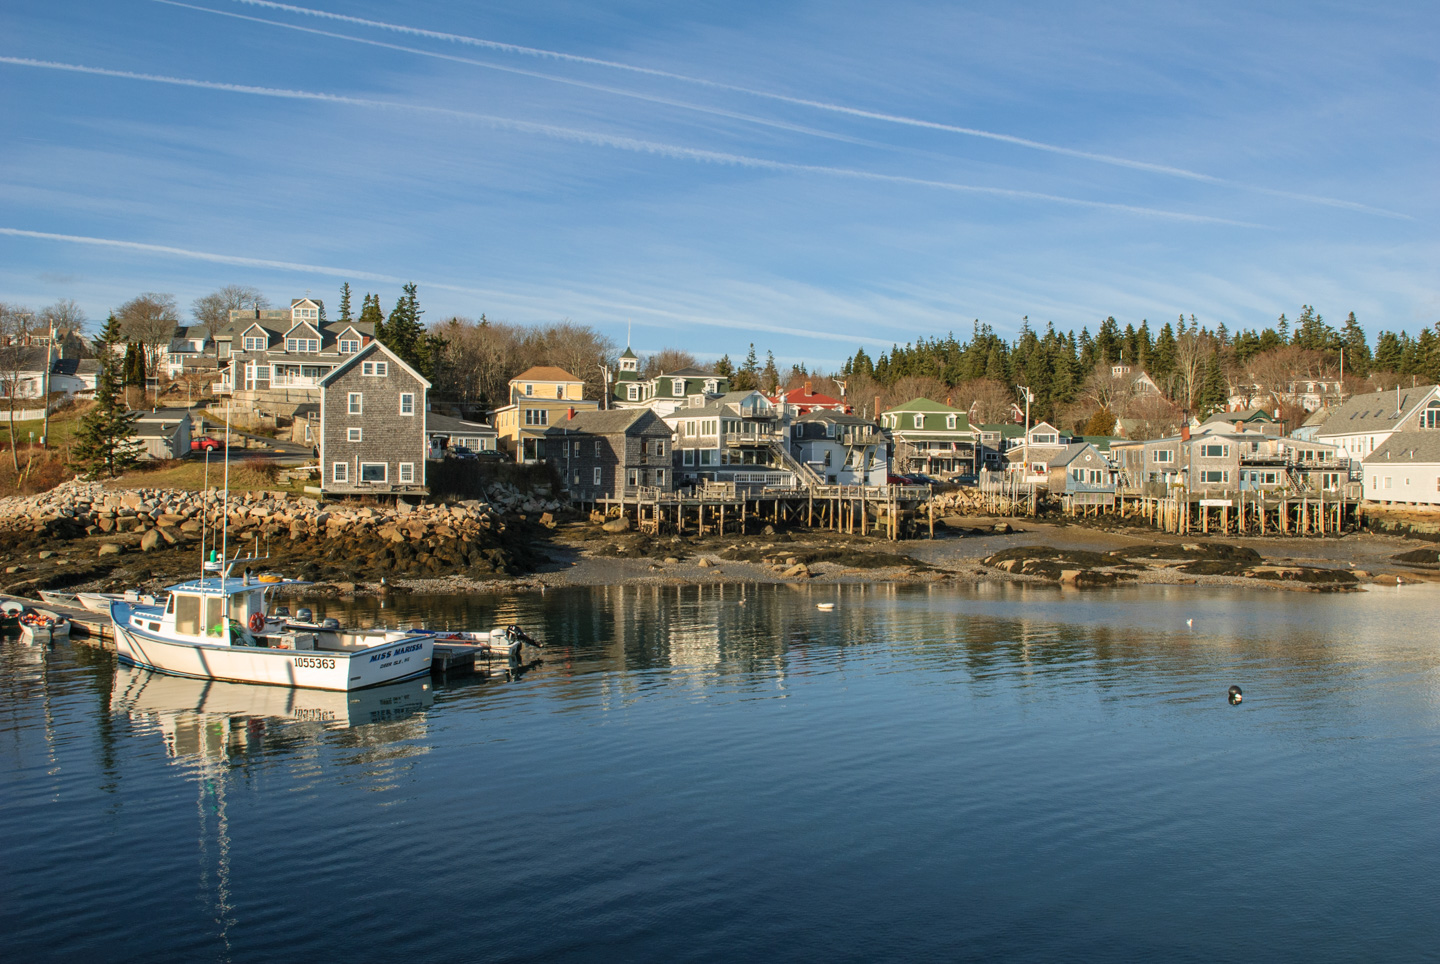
210 718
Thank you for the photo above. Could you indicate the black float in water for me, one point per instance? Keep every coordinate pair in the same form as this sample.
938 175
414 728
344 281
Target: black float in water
1235 695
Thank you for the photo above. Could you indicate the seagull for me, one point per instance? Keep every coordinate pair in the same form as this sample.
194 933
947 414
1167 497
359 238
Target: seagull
1190 622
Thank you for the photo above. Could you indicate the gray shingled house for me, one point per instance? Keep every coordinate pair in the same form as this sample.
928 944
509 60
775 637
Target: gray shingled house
372 426
603 455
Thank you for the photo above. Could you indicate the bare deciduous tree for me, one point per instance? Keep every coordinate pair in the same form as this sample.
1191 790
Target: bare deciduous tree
1275 372
15 325
213 310
149 319
1150 417
666 360
987 400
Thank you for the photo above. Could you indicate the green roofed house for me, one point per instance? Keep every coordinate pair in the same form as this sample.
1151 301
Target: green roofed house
665 393
931 438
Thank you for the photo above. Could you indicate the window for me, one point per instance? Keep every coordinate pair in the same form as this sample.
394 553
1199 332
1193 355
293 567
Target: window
1044 440
407 403
688 457
537 416
1214 451
597 475
349 346
949 421
340 472
377 369
559 391
1213 476
711 386
599 449
357 403
659 446
677 387
353 435
1164 455
632 477
302 344
1430 418
529 390
406 472
1387 481
634 393
255 343
919 421
707 456
374 472
187 614
659 476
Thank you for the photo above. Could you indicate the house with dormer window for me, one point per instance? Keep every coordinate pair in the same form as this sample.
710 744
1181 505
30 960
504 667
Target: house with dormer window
539 397
668 391
931 438
274 360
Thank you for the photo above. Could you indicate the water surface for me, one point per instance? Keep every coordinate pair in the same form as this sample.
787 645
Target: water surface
717 772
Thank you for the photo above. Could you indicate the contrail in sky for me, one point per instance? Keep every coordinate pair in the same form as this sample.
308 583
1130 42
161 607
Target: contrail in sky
600 88
662 317
617 142
825 106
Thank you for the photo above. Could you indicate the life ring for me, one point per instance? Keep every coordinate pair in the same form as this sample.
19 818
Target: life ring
257 622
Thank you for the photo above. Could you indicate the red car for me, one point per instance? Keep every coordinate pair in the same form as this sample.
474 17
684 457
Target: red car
205 444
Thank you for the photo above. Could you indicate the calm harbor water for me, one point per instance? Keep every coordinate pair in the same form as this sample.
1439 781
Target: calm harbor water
706 773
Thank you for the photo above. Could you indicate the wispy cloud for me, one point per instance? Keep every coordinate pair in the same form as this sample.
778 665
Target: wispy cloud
834 108
635 145
553 303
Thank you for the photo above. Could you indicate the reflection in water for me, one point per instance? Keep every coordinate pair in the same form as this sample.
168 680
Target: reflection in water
994 772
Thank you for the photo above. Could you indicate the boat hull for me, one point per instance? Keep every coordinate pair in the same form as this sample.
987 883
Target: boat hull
312 669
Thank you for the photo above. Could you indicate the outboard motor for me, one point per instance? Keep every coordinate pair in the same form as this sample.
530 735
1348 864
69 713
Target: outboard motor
330 622
304 615
515 651
282 611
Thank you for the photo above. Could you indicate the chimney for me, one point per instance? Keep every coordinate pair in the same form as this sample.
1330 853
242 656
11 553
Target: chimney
1239 426
572 412
1185 432
807 389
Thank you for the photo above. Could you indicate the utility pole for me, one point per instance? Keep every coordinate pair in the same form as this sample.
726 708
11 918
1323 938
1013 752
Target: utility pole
45 386
1025 465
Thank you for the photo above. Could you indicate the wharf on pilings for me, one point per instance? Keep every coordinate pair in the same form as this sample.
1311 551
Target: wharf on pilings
887 510
1243 513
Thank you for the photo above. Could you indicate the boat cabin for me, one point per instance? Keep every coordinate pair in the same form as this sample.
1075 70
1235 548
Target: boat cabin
204 609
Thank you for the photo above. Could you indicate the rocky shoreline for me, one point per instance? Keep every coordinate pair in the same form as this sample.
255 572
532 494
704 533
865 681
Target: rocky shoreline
85 535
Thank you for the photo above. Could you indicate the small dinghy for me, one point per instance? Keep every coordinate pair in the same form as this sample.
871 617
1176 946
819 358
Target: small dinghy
99 602
825 607
43 626
56 598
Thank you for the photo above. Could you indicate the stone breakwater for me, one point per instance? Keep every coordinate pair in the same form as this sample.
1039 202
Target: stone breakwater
304 536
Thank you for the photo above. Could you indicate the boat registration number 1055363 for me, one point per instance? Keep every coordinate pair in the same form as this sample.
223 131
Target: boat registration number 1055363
313 662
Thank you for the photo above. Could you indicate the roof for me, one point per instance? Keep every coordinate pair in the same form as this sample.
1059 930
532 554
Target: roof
545 373
1407 448
366 352
798 396
614 422
627 353
164 415
691 372
1070 453
1374 411
435 422
1317 417
839 418
924 405
1243 415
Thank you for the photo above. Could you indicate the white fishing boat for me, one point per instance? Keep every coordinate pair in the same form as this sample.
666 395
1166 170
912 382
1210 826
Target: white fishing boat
57 598
99 602
216 628
43 626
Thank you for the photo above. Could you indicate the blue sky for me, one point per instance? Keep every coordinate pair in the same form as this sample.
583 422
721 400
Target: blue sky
812 177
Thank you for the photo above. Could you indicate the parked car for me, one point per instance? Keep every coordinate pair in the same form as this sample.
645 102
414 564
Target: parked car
205 444
461 452
964 478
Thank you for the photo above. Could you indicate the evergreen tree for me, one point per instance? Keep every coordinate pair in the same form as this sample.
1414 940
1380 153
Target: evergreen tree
1214 388
370 314
104 442
403 334
1357 350
770 377
725 367
345 302
133 368
1283 327
1164 363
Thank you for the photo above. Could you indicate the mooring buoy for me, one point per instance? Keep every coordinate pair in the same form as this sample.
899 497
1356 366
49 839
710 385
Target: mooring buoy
1235 695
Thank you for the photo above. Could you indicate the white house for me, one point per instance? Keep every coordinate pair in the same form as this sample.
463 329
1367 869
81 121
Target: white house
1363 423
1405 468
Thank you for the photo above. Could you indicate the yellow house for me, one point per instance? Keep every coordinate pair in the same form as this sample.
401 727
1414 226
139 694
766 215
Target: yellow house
539 397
